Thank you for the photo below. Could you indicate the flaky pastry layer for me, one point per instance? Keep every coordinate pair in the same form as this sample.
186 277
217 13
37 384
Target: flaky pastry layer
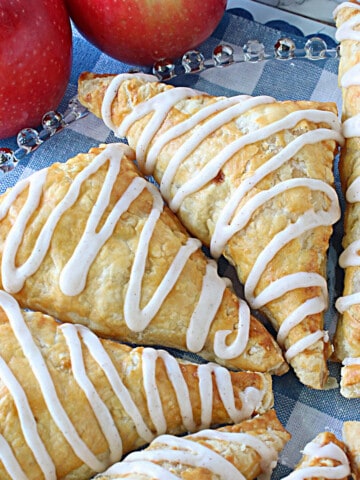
251 178
91 242
347 336
72 404
245 450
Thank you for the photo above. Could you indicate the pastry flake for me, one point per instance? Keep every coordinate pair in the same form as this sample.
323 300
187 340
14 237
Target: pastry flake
72 404
323 458
252 179
91 242
347 336
248 450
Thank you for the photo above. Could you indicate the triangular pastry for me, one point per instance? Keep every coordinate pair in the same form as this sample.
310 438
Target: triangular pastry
91 242
325 457
347 337
247 450
252 179
351 437
72 404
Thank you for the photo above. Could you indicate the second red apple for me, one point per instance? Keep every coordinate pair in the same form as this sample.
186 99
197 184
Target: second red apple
140 32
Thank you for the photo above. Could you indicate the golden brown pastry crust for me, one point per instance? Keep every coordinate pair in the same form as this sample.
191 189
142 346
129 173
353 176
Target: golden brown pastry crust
130 365
247 460
199 211
314 459
100 305
351 437
347 337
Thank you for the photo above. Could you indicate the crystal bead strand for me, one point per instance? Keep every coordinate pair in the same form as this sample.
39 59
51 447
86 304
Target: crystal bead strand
29 139
253 51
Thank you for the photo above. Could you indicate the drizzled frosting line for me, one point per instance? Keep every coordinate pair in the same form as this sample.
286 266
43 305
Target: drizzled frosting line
73 276
329 451
351 129
213 117
190 452
74 336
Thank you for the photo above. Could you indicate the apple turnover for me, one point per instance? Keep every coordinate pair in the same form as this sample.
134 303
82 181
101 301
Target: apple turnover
247 450
91 242
72 404
250 177
351 437
323 458
347 336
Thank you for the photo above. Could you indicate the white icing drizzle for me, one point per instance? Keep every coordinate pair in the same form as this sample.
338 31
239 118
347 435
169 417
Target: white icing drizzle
28 426
351 77
74 274
211 169
227 223
14 277
346 31
187 125
99 408
351 128
111 92
344 303
157 105
189 452
194 141
268 455
351 361
208 304
251 397
47 387
9 461
145 467
330 451
343 5
104 361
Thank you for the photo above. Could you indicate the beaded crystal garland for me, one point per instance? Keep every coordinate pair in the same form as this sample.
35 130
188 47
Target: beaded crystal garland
223 55
193 61
29 139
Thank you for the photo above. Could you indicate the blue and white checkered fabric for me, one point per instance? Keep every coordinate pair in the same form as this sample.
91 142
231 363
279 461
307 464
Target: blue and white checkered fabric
302 411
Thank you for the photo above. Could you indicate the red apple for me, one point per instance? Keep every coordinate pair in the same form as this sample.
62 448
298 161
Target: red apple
35 59
139 32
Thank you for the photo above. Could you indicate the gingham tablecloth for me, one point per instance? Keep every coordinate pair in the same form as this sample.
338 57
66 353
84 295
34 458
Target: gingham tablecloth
304 412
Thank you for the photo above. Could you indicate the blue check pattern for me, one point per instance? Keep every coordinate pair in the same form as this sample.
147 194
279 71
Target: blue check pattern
304 412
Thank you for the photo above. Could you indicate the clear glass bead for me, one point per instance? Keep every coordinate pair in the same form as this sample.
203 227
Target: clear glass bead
284 49
223 55
75 106
164 69
193 61
315 48
74 111
46 133
52 120
7 160
254 51
28 139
